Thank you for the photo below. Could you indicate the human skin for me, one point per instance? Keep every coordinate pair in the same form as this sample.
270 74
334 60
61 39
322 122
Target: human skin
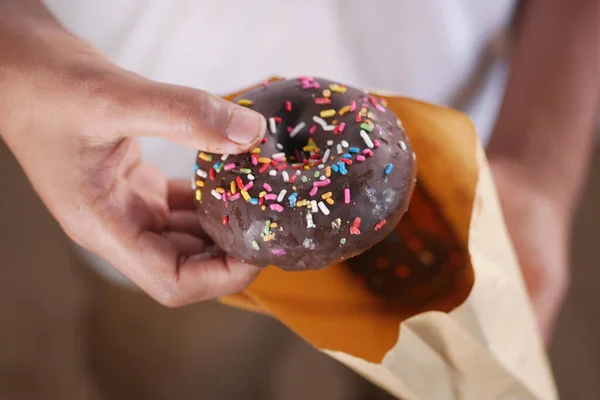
71 118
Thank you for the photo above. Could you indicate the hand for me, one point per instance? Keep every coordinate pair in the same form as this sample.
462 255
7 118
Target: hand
539 228
71 118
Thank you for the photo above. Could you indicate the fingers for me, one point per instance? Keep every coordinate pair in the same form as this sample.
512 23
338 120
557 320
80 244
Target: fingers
190 117
180 195
174 280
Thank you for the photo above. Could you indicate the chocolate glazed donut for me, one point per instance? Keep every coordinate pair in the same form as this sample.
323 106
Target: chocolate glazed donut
331 178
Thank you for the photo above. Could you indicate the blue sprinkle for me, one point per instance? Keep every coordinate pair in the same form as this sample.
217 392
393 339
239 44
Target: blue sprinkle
292 199
195 168
354 150
389 168
342 168
347 155
335 168
253 201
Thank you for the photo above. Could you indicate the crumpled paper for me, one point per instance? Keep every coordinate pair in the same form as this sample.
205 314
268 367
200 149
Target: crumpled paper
486 347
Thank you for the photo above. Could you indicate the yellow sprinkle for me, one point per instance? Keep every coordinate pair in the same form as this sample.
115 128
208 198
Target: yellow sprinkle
263 207
205 156
326 195
198 195
301 203
245 195
262 194
329 201
245 102
306 167
233 187
334 122
220 190
369 122
337 88
317 150
344 110
294 188
384 102
268 237
363 111
273 225
310 147
328 171
200 183
326 93
264 160
256 150
370 115
327 113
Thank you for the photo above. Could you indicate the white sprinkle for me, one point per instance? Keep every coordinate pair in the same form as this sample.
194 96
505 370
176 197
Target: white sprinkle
224 157
216 194
193 184
323 124
339 149
250 177
286 177
273 172
313 206
367 139
337 223
309 221
399 123
201 173
345 144
281 195
278 155
323 208
321 166
298 172
272 126
322 177
402 145
279 146
414 156
297 129
330 143
326 155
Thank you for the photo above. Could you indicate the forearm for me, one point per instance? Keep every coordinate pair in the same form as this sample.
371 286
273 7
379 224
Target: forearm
545 128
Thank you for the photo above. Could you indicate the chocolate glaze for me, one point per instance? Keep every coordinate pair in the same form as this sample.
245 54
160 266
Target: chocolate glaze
417 260
377 198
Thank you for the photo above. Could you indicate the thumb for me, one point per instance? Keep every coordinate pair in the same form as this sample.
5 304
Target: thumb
191 117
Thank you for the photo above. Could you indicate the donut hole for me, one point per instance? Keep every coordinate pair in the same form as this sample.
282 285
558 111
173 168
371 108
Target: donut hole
297 148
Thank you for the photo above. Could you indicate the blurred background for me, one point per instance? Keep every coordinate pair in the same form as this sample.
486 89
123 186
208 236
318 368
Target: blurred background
67 334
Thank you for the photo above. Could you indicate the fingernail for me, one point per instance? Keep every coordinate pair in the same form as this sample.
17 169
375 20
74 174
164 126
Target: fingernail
245 127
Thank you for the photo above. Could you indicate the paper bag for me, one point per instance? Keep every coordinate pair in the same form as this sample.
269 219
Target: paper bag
479 341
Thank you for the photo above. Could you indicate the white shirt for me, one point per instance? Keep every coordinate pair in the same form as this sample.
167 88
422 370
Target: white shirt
426 49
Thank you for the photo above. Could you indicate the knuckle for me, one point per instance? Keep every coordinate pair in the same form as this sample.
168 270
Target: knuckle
169 296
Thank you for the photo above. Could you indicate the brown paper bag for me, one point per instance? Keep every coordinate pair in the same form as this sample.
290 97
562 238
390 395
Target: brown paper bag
478 342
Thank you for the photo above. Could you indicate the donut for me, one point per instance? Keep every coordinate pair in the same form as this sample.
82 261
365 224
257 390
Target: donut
332 176
417 261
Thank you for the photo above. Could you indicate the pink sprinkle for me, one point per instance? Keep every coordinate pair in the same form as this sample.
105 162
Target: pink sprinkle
288 106
380 108
352 106
224 197
376 143
254 159
235 196
265 83
316 85
342 126
347 196
368 152
229 166
322 183
365 104
276 207
290 129
312 129
249 185
360 158
278 252
267 187
314 190
271 196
